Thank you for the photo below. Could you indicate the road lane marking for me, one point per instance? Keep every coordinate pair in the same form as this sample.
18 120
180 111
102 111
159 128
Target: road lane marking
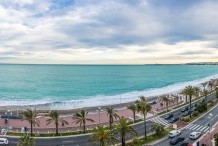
68 141
196 127
203 128
200 127
189 126
206 129
192 126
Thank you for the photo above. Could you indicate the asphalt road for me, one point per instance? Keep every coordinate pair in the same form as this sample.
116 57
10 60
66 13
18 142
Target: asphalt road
200 125
82 139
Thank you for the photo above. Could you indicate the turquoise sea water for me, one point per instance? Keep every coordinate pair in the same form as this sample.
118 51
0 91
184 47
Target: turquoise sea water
89 85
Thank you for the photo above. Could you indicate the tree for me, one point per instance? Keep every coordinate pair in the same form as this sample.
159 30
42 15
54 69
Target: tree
123 127
31 116
166 100
177 99
190 91
102 136
54 116
205 93
112 113
217 93
184 92
133 108
26 140
210 85
216 138
81 118
158 128
197 90
204 85
143 107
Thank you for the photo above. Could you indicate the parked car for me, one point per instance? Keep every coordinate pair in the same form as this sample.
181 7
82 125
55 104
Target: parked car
174 119
174 133
174 142
168 116
152 102
194 135
3 141
184 109
186 113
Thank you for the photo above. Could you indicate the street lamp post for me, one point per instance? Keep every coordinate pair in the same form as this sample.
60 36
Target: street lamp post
99 114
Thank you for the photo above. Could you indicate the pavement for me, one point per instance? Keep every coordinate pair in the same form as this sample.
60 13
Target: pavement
81 140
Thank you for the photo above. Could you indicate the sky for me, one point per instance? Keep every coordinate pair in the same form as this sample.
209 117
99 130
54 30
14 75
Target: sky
108 31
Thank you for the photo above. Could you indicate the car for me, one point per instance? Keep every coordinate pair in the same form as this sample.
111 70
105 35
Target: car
194 135
186 113
152 102
3 141
184 109
174 133
174 119
169 116
184 144
174 142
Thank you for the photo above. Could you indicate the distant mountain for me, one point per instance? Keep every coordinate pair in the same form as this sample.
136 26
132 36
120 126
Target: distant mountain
203 63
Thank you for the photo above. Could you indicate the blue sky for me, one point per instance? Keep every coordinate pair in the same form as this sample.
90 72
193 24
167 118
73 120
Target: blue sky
108 31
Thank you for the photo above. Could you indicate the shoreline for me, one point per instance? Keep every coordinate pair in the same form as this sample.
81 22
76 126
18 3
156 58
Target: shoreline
119 105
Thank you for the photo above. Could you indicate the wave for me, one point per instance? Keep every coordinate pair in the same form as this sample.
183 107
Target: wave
104 100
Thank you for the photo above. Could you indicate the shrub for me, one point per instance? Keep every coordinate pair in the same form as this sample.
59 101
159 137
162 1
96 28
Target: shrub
201 107
195 113
186 119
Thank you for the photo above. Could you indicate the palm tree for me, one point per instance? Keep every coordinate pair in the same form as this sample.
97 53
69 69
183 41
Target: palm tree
158 128
216 138
166 100
197 90
112 113
185 94
144 108
81 118
210 85
133 108
205 93
103 136
190 91
123 128
204 85
177 99
26 140
54 116
31 116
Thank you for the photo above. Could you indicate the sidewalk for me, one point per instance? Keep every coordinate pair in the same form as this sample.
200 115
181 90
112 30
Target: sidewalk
101 119
207 139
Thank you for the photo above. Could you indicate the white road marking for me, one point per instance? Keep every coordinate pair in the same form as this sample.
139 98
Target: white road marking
196 127
199 128
203 128
189 126
206 129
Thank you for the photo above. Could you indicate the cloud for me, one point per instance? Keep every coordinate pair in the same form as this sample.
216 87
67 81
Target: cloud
115 31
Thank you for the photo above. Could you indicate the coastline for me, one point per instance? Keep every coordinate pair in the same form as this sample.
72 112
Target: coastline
119 105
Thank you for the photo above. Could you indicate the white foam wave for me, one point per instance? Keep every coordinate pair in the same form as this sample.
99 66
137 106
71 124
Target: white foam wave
102 100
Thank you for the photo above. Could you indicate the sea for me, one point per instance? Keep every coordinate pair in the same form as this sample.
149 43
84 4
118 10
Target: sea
77 86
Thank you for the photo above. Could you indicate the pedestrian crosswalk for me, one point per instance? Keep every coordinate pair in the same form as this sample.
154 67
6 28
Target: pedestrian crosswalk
160 121
196 127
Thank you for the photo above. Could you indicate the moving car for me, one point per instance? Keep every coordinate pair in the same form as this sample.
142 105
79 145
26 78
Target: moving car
174 119
194 135
169 116
174 142
3 141
174 133
184 109
186 113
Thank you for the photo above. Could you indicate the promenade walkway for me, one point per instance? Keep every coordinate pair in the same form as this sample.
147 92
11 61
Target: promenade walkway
100 119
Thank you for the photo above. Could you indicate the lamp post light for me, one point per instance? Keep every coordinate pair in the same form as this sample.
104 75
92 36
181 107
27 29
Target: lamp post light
99 114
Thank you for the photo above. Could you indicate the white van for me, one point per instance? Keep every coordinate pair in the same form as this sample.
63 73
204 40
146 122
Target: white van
194 135
3 141
174 133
